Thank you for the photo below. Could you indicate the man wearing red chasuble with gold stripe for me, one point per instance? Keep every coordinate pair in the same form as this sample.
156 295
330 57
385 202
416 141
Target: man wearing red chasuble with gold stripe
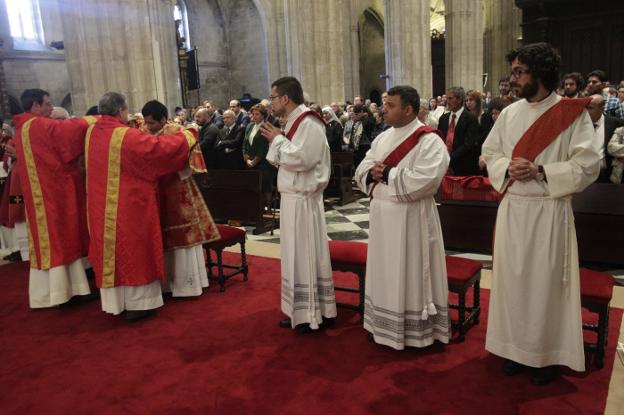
123 168
185 219
52 180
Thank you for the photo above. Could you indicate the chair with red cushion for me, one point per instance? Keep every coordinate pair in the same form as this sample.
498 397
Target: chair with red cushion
230 236
350 256
596 293
462 274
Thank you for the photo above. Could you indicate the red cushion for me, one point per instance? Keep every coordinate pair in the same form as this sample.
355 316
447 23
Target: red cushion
348 252
461 269
596 286
230 233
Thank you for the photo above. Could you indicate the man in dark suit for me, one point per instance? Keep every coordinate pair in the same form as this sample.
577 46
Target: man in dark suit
229 147
461 133
604 126
241 118
208 136
213 115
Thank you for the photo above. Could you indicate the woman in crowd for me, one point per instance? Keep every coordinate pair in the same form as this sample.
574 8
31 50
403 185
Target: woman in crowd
474 104
333 129
255 149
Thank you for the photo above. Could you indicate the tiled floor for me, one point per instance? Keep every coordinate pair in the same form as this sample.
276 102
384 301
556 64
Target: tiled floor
350 222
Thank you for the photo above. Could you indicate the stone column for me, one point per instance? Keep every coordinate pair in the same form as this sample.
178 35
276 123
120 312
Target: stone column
315 48
408 44
502 33
464 44
127 46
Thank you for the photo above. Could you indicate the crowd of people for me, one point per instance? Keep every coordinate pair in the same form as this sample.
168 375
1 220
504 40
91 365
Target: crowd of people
119 189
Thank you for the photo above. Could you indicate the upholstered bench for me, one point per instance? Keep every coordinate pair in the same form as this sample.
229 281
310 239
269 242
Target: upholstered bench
349 256
230 236
462 274
596 293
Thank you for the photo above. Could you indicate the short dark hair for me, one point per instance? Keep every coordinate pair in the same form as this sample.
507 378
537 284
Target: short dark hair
155 109
498 104
504 78
598 73
30 96
93 110
408 95
543 62
290 86
577 77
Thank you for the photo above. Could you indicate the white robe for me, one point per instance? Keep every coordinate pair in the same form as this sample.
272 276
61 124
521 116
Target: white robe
57 285
186 271
304 169
535 306
406 283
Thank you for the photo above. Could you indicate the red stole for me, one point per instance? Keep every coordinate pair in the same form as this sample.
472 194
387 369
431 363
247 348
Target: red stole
293 129
396 155
548 127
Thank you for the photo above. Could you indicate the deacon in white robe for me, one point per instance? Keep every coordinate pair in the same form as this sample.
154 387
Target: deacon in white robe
406 301
535 310
307 294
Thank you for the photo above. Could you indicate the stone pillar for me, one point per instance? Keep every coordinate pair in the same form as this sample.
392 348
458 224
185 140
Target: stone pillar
127 46
464 44
408 44
315 48
502 33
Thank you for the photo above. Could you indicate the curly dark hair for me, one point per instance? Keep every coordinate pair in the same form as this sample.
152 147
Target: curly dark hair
543 61
577 78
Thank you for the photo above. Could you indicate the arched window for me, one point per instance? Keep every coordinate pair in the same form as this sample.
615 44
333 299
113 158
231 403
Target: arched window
181 19
25 23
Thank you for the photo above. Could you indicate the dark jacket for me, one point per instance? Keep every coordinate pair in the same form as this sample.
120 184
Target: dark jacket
208 137
466 143
333 131
229 148
259 149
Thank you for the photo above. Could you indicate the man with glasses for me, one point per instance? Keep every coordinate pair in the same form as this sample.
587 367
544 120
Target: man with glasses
539 152
303 157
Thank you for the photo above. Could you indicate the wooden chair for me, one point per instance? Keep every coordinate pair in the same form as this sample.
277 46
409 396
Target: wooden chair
350 256
596 293
462 274
229 236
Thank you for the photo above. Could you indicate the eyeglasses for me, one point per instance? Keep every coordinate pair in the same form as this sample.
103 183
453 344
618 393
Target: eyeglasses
518 72
272 97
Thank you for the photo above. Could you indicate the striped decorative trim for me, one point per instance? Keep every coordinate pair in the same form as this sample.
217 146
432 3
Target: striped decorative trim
110 211
190 138
87 142
41 220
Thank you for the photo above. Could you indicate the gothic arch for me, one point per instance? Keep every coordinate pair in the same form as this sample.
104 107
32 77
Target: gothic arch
372 53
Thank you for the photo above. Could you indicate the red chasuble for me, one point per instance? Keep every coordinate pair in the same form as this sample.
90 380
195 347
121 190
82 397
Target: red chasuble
185 218
123 168
51 177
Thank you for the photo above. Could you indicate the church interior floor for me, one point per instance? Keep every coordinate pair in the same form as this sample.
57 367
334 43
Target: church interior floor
350 222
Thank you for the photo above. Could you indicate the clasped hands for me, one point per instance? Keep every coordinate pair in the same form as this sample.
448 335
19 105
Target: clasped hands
377 171
522 170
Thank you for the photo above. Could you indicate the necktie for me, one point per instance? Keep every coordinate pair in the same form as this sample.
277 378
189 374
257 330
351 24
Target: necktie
450 134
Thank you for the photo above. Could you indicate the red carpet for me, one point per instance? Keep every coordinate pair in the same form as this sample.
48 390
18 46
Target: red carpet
223 353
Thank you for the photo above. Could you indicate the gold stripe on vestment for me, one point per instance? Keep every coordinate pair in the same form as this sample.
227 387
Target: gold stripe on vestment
37 194
110 211
86 161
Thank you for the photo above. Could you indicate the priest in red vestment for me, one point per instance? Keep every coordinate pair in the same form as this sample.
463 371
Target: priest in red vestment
185 219
123 168
52 182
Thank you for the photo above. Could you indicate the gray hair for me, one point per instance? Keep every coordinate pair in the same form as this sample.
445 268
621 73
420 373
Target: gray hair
424 103
458 91
111 103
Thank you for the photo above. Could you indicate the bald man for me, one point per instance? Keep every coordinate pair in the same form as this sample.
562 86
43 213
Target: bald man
604 126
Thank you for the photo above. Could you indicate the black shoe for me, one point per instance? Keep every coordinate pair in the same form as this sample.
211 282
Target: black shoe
543 375
136 315
511 368
304 329
13 257
328 322
286 323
